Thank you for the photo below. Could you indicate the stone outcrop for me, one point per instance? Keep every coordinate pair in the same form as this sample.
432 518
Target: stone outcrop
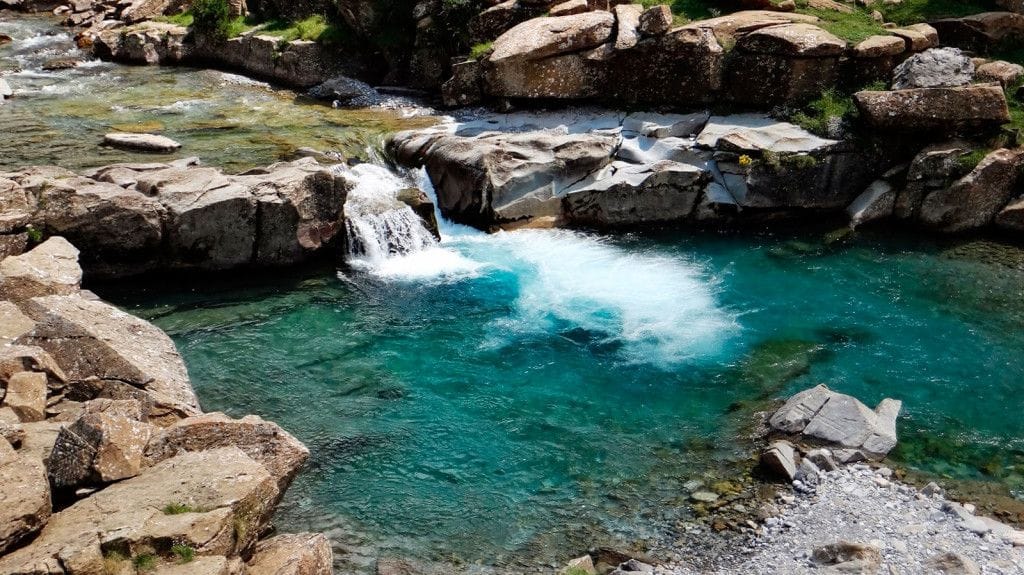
298 554
964 109
974 201
132 218
82 410
822 415
608 170
280 453
981 33
935 68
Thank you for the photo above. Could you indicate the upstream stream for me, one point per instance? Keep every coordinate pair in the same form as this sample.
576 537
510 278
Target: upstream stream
515 398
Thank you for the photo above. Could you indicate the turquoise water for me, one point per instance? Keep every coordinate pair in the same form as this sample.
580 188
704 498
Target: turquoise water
522 396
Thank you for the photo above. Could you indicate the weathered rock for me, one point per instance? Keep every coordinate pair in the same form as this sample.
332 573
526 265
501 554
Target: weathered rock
797 39
759 132
583 564
933 169
13 433
1012 216
935 68
139 10
952 564
18 358
498 19
463 88
879 46
13 323
665 125
1000 71
655 20
231 498
98 448
918 37
628 194
26 395
849 557
983 32
780 459
569 8
24 498
974 200
545 57
424 208
876 203
105 352
292 554
682 66
263 441
627 23
141 142
822 459
824 415
51 268
968 108
347 91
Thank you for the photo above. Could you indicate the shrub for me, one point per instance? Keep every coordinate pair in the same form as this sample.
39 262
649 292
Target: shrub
827 115
184 553
145 562
212 18
35 236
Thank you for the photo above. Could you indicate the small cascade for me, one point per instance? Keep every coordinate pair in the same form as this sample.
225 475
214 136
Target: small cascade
380 226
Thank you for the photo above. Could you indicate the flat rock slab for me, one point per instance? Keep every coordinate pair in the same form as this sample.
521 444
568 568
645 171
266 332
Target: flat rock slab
974 107
758 132
141 142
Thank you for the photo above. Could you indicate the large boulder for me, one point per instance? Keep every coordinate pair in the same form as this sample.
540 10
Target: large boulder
973 201
968 108
292 554
26 395
217 502
549 57
682 66
1011 217
822 415
105 352
141 142
935 68
98 448
985 32
629 194
24 496
264 441
51 268
934 168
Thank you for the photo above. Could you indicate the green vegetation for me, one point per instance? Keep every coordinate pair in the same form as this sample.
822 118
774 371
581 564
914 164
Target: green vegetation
212 18
145 562
968 162
315 28
181 19
35 235
826 115
178 509
480 50
914 11
575 570
184 553
853 27
113 563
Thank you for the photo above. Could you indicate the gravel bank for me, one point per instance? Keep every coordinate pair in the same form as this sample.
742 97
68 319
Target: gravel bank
903 529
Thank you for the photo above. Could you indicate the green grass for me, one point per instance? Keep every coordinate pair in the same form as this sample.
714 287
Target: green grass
968 162
576 571
828 110
178 509
914 11
145 562
853 27
184 553
480 50
315 28
182 19
240 25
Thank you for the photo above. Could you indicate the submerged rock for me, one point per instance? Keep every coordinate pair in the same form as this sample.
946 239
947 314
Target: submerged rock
346 91
821 414
141 142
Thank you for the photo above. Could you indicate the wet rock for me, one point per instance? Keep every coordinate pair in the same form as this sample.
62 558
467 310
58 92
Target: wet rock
230 498
24 497
292 554
346 91
704 496
424 208
952 564
780 459
975 200
935 68
141 142
876 203
60 64
969 108
26 395
265 442
848 557
98 448
655 20
628 194
105 352
51 268
1012 216
822 414
935 168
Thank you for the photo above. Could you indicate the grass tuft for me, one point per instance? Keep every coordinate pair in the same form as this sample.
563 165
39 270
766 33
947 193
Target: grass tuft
853 27
181 19
480 50
315 28
184 553
914 11
145 562
827 115
178 509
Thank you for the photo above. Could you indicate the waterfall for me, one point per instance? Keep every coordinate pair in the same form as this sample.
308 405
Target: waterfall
380 226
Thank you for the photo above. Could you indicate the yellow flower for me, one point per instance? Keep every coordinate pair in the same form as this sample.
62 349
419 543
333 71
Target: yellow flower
745 160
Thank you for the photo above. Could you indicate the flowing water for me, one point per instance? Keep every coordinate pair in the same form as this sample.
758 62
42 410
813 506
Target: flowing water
515 398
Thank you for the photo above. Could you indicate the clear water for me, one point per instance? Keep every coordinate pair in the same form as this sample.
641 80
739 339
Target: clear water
60 117
526 395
